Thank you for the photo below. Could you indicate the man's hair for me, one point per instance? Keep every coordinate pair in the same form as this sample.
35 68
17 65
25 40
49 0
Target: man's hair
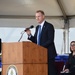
40 12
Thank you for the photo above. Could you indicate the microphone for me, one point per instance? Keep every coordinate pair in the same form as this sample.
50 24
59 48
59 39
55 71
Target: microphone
29 28
25 31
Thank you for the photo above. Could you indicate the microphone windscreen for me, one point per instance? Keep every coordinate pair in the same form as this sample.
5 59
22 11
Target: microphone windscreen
31 26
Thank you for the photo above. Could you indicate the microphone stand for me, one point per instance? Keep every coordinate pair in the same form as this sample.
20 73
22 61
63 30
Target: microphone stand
21 36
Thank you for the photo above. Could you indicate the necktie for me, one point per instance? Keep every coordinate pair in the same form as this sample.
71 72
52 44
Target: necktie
39 35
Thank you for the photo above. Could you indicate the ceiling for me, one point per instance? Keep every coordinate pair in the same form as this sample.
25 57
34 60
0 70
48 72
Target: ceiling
17 13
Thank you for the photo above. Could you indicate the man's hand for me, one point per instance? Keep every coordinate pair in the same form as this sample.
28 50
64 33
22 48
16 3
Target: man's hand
28 32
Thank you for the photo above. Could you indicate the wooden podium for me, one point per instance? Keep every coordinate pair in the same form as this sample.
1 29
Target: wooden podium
24 58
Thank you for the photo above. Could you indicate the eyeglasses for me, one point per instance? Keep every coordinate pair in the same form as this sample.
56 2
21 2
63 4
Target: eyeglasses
72 44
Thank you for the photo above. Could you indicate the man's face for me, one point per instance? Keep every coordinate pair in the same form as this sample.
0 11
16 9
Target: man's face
39 17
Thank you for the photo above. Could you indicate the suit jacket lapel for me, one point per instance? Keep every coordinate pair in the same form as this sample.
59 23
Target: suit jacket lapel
44 26
42 29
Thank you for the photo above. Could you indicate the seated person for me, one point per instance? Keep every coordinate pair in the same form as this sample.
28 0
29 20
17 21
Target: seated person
70 66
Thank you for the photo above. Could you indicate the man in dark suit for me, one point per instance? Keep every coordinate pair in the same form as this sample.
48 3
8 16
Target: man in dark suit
46 39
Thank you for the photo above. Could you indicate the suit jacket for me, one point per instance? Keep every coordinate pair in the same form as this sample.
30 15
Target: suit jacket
47 39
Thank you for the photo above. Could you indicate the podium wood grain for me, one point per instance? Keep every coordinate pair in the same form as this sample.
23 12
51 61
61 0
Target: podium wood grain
29 58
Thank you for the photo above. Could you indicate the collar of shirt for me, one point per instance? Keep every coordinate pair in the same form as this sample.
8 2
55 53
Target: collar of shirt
42 24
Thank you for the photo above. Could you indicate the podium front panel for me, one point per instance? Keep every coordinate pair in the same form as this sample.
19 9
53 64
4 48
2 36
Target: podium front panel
23 52
24 58
26 69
